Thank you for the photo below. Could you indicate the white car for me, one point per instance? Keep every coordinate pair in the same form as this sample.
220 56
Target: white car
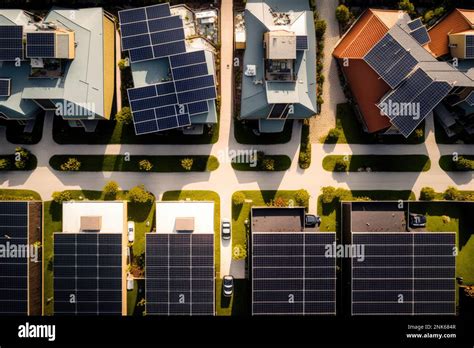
225 229
228 285
131 231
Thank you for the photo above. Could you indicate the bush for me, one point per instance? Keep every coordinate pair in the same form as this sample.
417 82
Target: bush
407 6
268 164
427 194
238 198
111 189
305 159
71 165
145 165
302 198
419 133
60 197
4 163
122 64
239 252
124 116
139 194
343 14
340 165
320 27
464 164
22 156
187 163
279 202
328 194
451 194
333 135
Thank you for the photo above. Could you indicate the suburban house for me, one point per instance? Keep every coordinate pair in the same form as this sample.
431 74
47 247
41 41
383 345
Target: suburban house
279 79
21 268
173 70
90 259
399 72
64 63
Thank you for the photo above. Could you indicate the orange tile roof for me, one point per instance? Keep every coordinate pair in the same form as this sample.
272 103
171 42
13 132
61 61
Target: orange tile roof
362 36
367 88
456 22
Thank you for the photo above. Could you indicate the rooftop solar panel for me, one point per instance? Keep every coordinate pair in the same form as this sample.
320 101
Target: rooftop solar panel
167 36
188 58
470 99
158 11
169 49
89 268
180 274
195 83
198 108
5 87
40 45
166 23
197 95
132 29
132 15
290 275
301 43
415 24
11 42
190 71
141 54
136 41
421 35
396 284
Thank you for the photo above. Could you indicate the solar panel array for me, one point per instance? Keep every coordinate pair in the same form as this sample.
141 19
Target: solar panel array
279 111
171 104
151 32
11 42
40 45
415 24
5 87
14 271
404 274
418 95
470 99
291 275
87 273
180 274
421 35
469 46
390 60
301 42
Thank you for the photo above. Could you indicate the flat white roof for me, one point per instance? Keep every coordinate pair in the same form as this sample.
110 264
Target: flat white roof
112 213
168 212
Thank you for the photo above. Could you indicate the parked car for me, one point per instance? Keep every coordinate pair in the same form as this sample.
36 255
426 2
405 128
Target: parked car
131 231
130 283
225 229
228 285
312 220
417 220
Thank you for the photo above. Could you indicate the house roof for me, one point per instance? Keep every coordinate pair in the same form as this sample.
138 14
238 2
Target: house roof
257 98
457 21
190 216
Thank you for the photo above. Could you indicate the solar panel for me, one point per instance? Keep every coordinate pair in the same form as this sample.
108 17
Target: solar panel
132 15
421 35
166 23
167 36
190 71
301 43
470 99
169 49
195 83
189 58
5 87
11 42
415 24
178 280
40 45
397 284
87 273
290 275
197 95
470 52
158 11
14 270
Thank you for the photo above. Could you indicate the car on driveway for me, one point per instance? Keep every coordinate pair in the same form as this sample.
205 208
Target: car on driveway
228 285
131 231
225 229
417 220
312 220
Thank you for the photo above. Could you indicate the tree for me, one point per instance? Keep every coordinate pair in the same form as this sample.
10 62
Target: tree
302 198
427 194
340 165
407 6
328 194
238 198
268 164
187 163
320 27
343 14
71 165
145 165
451 193
124 116
239 252
61 196
111 189
139 194
4 163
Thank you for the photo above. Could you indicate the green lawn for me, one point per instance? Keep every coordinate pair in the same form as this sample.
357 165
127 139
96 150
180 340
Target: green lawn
19 195
351 131
118 163
330 212
134 308
282 163
112 132
380 163
446 163
244 134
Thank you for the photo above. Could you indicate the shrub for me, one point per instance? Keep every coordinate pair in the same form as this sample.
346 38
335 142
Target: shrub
343 194
427 194
187 163
343 14
464 164
122 64
320 27
111 189
328 194
340 165
268 164
139 194
145 165
407 6
333 135
280 202
239 252
22 156
71 165
302 198
451 194
419 133
305 159
61 196
124 116
4 163
238 198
